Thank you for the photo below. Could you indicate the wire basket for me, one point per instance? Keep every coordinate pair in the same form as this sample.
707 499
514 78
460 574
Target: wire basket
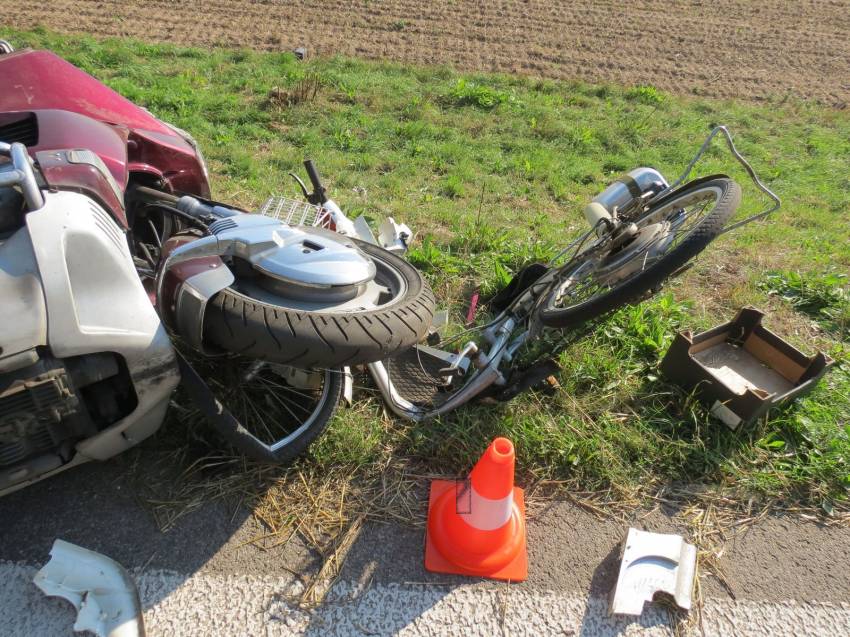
295 212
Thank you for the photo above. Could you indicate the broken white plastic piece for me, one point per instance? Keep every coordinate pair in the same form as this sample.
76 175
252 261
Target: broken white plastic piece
393 236
653 563
100 588
343 224
725 415
347 386
364 232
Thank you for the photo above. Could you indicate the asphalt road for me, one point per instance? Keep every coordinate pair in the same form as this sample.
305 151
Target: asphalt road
200 578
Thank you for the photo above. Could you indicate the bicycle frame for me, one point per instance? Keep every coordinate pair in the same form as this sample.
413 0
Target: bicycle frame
486 374
497 334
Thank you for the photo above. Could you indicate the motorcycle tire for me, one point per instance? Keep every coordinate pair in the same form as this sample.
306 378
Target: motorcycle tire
238 323
727 199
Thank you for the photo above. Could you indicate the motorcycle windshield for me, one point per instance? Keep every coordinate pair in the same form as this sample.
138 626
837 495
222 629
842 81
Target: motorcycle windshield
42 80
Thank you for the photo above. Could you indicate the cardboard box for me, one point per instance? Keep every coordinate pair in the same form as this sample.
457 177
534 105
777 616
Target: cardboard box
741 369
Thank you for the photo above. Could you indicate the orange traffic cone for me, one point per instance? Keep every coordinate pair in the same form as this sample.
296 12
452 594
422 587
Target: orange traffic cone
477 526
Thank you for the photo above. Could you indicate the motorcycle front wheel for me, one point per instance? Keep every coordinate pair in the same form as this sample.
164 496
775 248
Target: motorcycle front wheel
391 313
665 238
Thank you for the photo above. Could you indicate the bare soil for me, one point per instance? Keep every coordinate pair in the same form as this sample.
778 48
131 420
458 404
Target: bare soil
726 48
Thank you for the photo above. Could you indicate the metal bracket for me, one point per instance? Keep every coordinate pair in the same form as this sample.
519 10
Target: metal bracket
752 173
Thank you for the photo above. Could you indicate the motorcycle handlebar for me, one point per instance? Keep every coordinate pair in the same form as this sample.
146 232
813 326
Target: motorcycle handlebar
319 193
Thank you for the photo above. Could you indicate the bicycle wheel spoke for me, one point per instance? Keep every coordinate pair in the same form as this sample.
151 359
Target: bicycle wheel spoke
268 405
659 232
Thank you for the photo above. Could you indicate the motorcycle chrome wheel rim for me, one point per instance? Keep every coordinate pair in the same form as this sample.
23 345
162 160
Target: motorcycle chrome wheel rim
387 286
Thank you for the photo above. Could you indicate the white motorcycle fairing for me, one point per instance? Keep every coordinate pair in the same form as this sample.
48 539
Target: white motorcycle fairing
91 301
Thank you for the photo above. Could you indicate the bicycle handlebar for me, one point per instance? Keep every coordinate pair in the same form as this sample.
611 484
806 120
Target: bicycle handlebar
319 195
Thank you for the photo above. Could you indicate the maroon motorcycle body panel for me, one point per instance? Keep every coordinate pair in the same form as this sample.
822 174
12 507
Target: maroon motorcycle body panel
181 272
55 129
50 134
40 80
61 172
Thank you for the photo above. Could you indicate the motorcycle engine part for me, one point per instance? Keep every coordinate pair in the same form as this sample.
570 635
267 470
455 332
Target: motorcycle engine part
38 397
634 184
675 228
278 411
86 304
53 403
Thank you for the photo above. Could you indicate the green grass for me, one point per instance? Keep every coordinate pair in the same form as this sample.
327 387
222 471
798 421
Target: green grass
825 297
492 171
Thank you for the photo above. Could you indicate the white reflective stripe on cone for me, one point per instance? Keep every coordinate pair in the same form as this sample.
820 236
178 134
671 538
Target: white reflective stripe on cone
486 514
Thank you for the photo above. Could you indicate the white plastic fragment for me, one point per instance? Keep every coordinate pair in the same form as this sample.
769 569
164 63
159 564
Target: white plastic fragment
393 236
725 415
364 232
652 563
100 588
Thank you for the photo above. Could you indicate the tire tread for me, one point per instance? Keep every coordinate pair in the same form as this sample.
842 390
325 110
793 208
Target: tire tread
238 323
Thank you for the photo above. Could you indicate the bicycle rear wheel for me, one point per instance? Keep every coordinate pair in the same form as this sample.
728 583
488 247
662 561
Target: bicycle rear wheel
668 235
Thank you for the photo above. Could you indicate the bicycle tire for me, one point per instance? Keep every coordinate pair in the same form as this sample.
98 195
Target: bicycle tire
703 233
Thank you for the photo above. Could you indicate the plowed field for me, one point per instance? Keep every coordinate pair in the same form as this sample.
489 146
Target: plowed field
726 48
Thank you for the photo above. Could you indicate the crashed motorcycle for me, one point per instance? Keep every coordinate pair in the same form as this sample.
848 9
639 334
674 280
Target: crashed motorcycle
643 231
93 256
268 310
